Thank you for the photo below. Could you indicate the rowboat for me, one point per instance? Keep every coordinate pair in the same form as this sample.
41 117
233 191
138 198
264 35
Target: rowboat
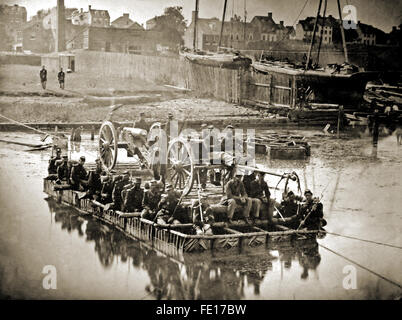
216 59
180 237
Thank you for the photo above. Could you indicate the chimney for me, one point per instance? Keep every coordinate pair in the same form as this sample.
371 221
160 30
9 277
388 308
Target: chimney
126 15
89 8
81 10
60 44
281 23
393 28
270 15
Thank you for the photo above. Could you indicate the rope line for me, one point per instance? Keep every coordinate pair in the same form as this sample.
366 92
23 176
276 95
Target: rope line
364 240
363 267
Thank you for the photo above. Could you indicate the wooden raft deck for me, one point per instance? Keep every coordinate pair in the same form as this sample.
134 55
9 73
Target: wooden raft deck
177 239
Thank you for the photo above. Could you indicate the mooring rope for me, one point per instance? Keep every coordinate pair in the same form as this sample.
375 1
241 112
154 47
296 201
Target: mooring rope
364 240
363 267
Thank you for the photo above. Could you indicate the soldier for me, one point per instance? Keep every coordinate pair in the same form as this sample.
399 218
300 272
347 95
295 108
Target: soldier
236 197
202 226
289 205
43 77
78 177
60 76
107 189
62 171
94 181
259 190
132 201
52 168
141 124
170 210
118 188
151 201
312 212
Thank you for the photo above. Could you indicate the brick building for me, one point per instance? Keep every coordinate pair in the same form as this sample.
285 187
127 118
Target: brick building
124 22
12 19
92 17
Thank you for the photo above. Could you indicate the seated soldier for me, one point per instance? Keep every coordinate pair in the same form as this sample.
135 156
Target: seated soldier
259 190
256 203
151 201
79 177
170 210
53 163
312 212
132 202
118 188
94 181
107 188
62 171
290 205
202 224
236 197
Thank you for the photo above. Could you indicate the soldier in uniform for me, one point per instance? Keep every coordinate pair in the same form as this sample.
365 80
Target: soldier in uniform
312 212
202 226
151 201
79 176
94 181
107 189
170 210
133 198
52 168
118 188
289 205
259 190
236 196
60 76
62 171
141 124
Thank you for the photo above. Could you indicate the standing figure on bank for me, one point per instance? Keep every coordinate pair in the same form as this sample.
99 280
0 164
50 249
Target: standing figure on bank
132 201
60 76
236 197
151 201
43 77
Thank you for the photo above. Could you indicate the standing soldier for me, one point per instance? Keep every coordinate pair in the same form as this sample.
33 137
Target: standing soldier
43 77
132 201
60 76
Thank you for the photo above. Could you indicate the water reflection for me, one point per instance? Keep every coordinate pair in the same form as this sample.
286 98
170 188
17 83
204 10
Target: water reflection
195 276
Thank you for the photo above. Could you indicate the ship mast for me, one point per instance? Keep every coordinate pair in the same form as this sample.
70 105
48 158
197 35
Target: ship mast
313 38
223 21
195 26
345 50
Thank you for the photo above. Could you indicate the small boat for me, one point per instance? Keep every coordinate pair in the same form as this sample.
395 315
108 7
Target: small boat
216 59
180 237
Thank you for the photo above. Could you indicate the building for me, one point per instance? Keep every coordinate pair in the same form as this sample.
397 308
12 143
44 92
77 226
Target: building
12 19
305 29
92 17
151 23
124 22
264 28
367 34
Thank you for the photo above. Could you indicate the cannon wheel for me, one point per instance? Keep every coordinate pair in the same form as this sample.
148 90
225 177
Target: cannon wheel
108 145
180 166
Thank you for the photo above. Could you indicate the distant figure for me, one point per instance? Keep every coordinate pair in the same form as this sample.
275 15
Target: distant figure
141 124
43 77
398 133
60 76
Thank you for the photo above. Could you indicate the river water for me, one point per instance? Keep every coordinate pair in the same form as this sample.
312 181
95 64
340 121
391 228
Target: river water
361 197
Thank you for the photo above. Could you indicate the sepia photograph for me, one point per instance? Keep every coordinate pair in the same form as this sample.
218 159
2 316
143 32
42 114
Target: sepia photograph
177 151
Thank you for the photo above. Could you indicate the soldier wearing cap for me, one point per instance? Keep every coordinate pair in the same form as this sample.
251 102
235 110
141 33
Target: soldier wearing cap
290 205
118 188
132 201
94 181
52 168
107 188
79 176
207 212
259 190
236 197
230 143
62 170
170 210
141 124
151 201
312 211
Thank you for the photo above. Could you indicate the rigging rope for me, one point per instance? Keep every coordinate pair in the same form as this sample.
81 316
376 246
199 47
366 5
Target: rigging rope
363 267
364 240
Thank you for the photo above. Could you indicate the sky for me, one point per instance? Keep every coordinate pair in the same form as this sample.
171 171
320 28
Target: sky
381 13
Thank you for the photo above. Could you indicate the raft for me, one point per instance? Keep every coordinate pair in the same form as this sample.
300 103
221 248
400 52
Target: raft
180 238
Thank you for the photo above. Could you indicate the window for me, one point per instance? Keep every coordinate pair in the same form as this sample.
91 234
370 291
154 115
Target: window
237 37
250 36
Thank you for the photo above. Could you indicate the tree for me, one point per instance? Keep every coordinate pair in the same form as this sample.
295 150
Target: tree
172 25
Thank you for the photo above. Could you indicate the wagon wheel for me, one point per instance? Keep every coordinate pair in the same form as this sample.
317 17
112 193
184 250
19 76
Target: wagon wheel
108 145
180 165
